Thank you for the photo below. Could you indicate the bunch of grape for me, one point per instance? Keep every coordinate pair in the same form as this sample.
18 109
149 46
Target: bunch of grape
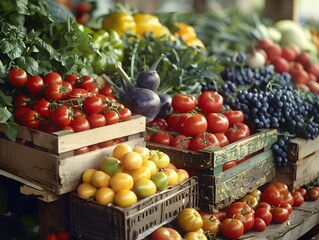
280 150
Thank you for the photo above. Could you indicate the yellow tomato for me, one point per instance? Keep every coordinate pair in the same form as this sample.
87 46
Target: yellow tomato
121 149
151 166
131 161
100 179
121 180
143 151
125 198
171 175
105 195
161 180
182 175
86 190
189 220
87 175
140 173
161 159
144 187
110 165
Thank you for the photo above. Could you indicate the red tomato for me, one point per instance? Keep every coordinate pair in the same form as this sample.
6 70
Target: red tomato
165 233
85 82
303 191
107 90
22 101
243 212
34 84
81 150
298 198
31 119
72 79
279 214
223 140
192 124
204 140
173 121
232 228
271 195
53 91
19 112
111 117
96 120
92 105
282 187
79 124
312 194
234 116
217 122
17 77
51 236
264 214
229 164
287 206
106 143
158 124
181 141
183 103
63 235
79 93
42 106
210 102
287 198
259 225
237 132
263 205
162 138
66 89
125 114
52 77
61 117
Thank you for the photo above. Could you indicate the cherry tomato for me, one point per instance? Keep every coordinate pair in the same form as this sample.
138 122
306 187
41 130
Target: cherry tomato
107 90
193 124
72 79
125 114
232 228
264 214
111 117
22 101
204 140
312 194
66 89
158 124
85 82
165 233
223 140
31 119
217 122
243 212
163 138
259 224
298 198
183 103
210 102
53 91
96 120
237 132
19 112
79 93
79 124
173 121
52 77
92 105
181 141
42 106
234 116
303 191
17 77
61 117
279 214
34 84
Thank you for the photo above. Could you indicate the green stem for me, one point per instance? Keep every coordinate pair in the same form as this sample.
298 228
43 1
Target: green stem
154 66
127 80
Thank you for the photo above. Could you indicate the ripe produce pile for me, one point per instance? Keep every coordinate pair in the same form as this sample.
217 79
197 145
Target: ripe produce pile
128 175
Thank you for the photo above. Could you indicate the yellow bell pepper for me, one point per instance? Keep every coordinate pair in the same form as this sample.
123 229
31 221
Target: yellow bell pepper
120 22
148 23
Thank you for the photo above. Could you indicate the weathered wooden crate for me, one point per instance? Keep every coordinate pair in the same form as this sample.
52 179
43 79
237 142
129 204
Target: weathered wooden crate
303 165
51 164
218 188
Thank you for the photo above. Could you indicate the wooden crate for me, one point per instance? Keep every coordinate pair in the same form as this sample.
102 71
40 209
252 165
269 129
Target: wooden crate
51 164
218 188
303 166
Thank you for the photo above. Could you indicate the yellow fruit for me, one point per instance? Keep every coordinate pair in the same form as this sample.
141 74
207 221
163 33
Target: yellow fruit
131 161
143 151
144 187
172 176
140 173
121 149
182 175
110 165
161 159
151 166
87 175
100 179
86 190
125 198
121 181
105 195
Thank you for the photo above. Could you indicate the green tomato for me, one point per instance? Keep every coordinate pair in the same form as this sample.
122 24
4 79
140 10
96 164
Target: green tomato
161 180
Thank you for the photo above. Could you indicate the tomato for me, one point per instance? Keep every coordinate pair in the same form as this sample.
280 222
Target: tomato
243 212
85 82
92 105
79 124
282 187
125 114
195 236
232 228
259 225
312 194
86 190
17 77
144 187
131 161
287 198
53 91
81 150
211 225
171 174
42 106
19 112
34 84
279 214
250 200
204 140
63 235
173 121
61 117
192 124
79 93
189 220
96 120
31 119
22 101
228 165
107 90
183 103
255 192
217 122
298 197
303 191
210 102
181 141
271 195
165 233
51 236
234 116
264 214
237 132
125 198
66 89
223 140
287 206
160 158
121 180
52 77
158 124
163 138
220 215
263 205
72 79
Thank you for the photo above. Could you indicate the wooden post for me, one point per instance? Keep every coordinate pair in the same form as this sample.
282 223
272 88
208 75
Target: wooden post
281 9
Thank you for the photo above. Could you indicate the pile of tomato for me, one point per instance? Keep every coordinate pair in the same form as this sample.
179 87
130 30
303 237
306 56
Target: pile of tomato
253 212
52 103
198 123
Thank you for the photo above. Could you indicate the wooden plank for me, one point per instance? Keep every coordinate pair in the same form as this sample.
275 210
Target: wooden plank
281 9
299 148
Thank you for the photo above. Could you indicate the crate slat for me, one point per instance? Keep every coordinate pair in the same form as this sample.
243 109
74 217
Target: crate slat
299 148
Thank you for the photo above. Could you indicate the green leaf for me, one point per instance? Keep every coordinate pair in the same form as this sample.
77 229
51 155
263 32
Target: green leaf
4 114
2 69
6 46
29 64
16 52
22 6
5 99
11 131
